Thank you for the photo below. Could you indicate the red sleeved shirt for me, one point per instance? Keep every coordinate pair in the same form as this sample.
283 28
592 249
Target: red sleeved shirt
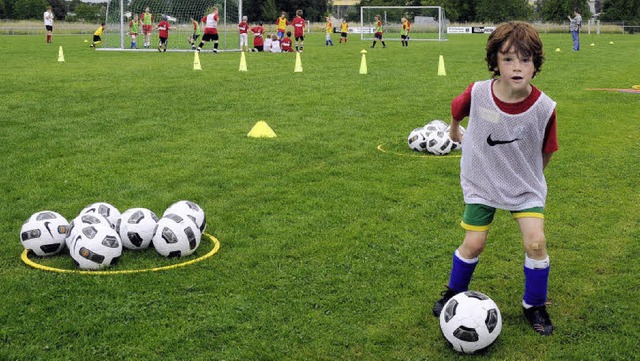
461 107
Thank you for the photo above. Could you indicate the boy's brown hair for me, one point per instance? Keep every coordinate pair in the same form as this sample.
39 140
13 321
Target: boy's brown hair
520 36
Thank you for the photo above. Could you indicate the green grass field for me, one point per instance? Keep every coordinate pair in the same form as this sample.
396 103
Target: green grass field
330 248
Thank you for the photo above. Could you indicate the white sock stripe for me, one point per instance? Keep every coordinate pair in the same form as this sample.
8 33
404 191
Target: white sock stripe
466 260
536 264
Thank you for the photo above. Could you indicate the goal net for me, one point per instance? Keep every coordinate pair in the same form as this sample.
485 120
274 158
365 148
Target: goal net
178 13
428 23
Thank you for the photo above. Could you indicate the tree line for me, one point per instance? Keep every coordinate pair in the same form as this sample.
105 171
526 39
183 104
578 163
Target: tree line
484 11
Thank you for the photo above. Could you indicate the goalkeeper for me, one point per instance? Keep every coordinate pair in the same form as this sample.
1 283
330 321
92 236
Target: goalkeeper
196 33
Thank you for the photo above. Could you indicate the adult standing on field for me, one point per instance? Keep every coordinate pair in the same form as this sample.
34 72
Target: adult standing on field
48 24
147 26
574 26
210 22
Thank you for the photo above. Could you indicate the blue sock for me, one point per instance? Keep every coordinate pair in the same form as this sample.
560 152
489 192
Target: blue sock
536 280
461 272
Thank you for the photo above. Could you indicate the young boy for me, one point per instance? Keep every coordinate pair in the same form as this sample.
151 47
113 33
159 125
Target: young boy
134 30
258 37
163 33
299 25
378 33
267 43
509 140
404 33
147 26
344 31
282 23
48 23
97 35
275 45
328 29
210 22
287 44
243 29
196 33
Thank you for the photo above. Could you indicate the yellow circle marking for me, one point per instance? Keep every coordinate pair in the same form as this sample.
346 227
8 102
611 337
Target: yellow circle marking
29 262
416 155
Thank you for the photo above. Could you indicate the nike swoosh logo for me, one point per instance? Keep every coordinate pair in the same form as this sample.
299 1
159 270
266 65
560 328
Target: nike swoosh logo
46 225
492 142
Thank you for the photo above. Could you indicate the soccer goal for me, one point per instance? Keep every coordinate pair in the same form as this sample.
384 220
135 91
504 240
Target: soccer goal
428 23
178 13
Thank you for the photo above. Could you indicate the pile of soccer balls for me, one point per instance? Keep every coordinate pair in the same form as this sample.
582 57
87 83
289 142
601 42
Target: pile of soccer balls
433 138
97 236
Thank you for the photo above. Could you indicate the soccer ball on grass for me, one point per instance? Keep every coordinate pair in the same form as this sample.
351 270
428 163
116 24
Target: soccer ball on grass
417 140
439 143
470 321
176 236
135 227
108 211
191 210
96 246
44 233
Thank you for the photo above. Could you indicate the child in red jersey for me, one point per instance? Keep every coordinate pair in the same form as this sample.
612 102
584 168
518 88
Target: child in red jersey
210 22
258 37
287 43
298 30
243 28
509 140
163 28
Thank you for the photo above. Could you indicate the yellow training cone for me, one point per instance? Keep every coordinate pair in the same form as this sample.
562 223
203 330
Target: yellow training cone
196 61
363 62
60 55
592 44
558 50
298 67
441 71
611 43
243 62
261 130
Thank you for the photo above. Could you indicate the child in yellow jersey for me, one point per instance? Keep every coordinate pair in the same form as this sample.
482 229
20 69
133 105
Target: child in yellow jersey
344 30
328 29
404 32
97 35
378 33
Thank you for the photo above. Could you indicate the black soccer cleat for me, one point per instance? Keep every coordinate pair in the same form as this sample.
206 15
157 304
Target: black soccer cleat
446 296
539 319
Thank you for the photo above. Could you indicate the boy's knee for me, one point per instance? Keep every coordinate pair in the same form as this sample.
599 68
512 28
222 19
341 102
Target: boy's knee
536 247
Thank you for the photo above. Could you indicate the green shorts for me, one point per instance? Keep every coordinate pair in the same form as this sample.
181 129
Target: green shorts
478 217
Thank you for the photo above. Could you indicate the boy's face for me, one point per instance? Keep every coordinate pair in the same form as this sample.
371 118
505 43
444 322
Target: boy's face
515 69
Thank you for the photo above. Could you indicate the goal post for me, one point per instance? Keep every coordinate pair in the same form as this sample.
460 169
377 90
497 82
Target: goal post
178 13
428 23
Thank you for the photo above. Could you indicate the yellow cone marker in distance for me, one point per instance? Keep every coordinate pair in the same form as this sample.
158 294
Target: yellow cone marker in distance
298 66
611 43
261 130
441 70
196 61
60 55
363 62
558 50
243 62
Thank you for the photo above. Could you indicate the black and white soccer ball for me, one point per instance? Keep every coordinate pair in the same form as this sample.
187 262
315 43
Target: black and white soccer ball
176 235
435 125
135 227
44 233
109 212
95 246
191 210
417 140
439 143
455 145
470 321
80 222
